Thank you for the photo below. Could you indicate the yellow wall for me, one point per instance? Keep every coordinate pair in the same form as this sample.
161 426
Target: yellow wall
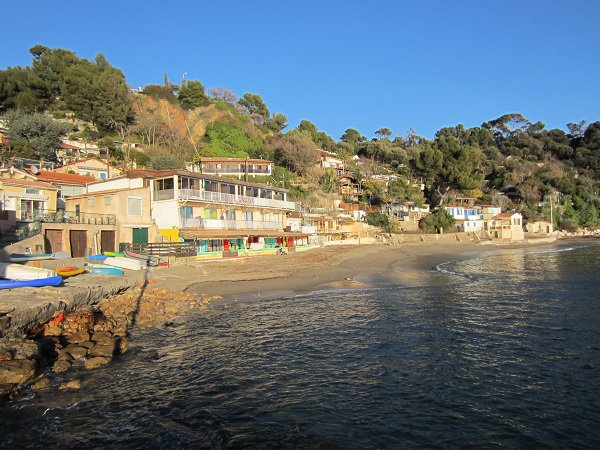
117 203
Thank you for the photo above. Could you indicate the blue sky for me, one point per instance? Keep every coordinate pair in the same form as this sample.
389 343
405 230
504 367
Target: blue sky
341 64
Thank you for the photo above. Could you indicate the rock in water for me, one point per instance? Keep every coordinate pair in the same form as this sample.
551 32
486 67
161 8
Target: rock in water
17 371
73 384
98 361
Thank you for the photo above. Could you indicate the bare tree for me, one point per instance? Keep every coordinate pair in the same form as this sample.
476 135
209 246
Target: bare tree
223 95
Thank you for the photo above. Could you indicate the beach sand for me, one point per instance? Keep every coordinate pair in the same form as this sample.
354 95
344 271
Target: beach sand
334 267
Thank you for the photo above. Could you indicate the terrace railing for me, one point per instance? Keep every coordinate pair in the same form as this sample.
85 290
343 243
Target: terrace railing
232 199
220 224
45 216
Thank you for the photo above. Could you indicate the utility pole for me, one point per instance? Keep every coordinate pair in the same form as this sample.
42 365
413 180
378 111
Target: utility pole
551 214
107 163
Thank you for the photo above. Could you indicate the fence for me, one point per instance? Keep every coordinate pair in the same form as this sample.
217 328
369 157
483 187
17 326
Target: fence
164 249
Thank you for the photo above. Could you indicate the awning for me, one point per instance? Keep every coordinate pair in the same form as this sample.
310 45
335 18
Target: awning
231 234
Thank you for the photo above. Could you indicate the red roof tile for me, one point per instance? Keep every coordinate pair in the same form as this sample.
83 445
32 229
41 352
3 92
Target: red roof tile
505 215
65 178
27 183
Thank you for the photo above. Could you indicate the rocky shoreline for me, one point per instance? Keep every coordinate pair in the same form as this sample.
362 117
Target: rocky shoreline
54 353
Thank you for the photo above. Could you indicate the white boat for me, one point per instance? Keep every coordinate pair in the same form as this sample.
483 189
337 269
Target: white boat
21 272
23 257
125 263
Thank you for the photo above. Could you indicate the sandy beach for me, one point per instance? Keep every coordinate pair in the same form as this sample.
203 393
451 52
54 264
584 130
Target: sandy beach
335 267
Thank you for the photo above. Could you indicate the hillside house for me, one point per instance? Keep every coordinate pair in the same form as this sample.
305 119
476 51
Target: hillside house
468 219
236 167
91 167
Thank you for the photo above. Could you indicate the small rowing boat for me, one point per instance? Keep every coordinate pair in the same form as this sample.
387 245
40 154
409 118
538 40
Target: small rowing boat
69 271
13 284
24 257
126 263
150 261
101 269
21 272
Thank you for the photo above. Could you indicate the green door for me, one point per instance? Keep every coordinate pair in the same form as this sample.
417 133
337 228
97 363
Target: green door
140 235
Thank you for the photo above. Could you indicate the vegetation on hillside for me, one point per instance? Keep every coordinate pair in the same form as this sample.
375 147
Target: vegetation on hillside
509 160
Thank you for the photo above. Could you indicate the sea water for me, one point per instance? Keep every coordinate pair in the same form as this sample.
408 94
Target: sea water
499 350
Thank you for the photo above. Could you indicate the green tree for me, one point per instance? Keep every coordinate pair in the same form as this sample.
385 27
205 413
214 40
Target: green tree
191 95
383 133
40 133
277 122
403 190
437 222
255 107
352 136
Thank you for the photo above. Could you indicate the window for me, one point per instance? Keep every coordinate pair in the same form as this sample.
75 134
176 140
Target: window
210 213
248 216
251 192
230 214
189 183
91 202
211 186
134 206
107 200
164 184
186 212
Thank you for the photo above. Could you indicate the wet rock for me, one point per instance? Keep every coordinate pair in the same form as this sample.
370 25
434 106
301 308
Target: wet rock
73 384
96 362
41 384
61 366
102 337
17 371
76 351
123 344
107 349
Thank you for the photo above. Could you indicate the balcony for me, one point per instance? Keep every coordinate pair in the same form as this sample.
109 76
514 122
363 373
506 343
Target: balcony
232 199
218 224
45 216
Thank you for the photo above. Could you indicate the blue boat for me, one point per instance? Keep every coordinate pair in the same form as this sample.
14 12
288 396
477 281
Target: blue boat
41 282
99 257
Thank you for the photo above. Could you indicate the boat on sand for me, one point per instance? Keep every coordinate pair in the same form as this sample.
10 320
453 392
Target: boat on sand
21 272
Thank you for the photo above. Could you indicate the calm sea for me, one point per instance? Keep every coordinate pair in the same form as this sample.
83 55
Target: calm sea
500 350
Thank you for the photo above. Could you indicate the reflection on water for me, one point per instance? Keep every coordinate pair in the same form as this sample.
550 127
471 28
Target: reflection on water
497 351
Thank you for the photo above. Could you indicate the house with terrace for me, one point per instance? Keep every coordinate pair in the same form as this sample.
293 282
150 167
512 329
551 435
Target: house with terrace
468 218
232 167
507 226
223 217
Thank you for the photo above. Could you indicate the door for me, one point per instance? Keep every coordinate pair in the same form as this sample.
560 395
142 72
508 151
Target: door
53 241
140 236
78 240
107 241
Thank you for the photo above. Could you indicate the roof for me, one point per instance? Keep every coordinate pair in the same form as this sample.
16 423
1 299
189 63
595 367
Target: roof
64 178
152 173
225 234
69 146
235 160
505 215
104 193
27 183
79 161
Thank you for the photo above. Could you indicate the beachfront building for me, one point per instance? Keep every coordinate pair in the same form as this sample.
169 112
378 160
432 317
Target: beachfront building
508 225
468 219
224 217
92 167
233 167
